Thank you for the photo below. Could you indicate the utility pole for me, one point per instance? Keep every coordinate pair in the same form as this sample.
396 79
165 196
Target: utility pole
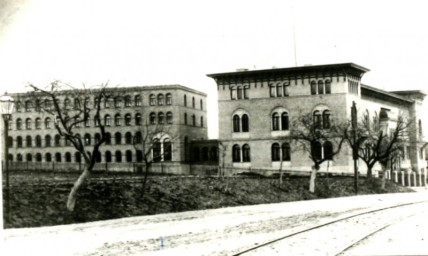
355 144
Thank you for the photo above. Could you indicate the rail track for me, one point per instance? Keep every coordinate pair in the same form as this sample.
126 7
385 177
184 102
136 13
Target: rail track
282 242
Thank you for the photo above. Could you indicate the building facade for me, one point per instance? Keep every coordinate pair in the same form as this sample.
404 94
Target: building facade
34 143
256 108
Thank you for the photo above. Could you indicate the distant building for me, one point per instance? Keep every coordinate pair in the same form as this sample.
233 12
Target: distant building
35 144
256 109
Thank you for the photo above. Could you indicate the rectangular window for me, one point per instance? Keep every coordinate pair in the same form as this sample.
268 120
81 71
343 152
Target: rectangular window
272 90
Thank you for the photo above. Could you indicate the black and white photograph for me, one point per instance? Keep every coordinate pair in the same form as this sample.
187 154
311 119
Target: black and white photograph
277 127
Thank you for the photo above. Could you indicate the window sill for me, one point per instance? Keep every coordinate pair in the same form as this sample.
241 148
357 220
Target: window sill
240 135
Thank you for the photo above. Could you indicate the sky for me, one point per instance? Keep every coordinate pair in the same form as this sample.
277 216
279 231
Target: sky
133 43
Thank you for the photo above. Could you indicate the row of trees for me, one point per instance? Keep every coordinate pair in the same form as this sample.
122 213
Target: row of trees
372 140
369 139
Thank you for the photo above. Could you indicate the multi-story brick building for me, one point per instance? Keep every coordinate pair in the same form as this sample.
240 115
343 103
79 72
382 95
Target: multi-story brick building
35 143
256 108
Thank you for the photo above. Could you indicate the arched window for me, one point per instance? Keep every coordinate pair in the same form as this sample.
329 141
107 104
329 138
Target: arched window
205 154
58 157
118 156
236 153
67 104
152 100
161 118
232 92
38 123
107 120
284 121
77 157
168 99
196 154
128 102
38 157
18 106
118 138
157 151
316 150
138 119
313 87
246 153
29 157
275 152
327 86
28 106
317 119
48 141
10 141
76 103
57 140
87 139
107 102
153 118
128 156
9 124
68 157
278 90
108 156
28 124
137 100
326 119
193 120
236 123
193 102
108 138
19 142
202 121
128 138
128 119
201 102
117 120
38 141
285 151
185 118
320 87
138 137
167 150
275 121
48 157
19 124
245 123
328 150
29 141
185 100
117 102
160 99
239 92
169 118
19 157
246 92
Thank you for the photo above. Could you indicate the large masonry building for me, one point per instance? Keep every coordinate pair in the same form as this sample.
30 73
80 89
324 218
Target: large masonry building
256 108
35 143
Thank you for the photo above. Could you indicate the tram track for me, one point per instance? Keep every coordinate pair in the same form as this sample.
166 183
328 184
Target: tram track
260 247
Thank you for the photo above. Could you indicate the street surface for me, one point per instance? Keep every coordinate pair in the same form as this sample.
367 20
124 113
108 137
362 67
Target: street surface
233 230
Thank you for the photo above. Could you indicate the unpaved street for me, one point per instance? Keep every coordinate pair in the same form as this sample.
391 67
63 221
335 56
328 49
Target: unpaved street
215 232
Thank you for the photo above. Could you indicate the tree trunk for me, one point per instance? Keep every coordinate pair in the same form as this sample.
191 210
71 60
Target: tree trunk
369 172
146 174
312 179
73 193
383 178
280 174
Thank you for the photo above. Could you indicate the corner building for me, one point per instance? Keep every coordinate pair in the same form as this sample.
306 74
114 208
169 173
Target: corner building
256 109
35 144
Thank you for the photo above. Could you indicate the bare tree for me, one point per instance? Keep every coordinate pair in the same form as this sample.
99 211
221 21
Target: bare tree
322 140
379 143
68 116
152 144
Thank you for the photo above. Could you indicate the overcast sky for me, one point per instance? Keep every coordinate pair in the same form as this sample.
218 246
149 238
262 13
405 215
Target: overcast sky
130 43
